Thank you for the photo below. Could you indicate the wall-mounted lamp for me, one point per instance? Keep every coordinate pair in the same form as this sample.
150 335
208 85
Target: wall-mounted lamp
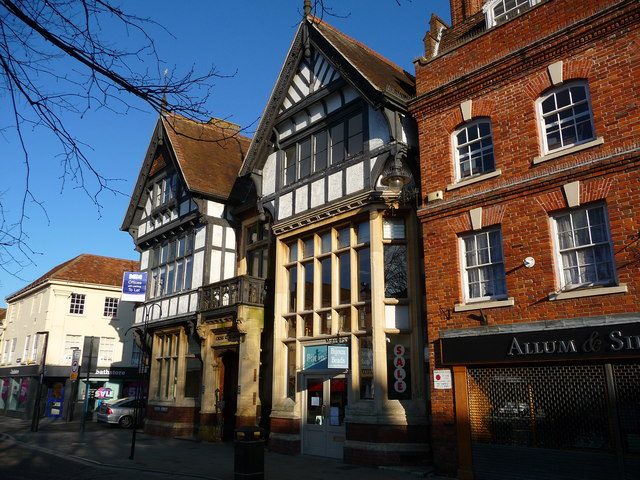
395 176
529 262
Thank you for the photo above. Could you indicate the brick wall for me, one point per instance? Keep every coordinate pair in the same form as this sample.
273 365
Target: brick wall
503 71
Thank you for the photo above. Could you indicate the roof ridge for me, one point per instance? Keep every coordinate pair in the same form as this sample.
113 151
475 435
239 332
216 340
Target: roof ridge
313 18
211 125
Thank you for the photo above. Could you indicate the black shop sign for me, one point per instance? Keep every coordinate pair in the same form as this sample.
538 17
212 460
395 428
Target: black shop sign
584 343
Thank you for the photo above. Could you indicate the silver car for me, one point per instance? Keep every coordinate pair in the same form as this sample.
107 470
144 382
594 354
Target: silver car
121 412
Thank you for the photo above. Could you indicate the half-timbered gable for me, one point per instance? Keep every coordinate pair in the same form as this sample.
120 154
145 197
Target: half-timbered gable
333 161
180 217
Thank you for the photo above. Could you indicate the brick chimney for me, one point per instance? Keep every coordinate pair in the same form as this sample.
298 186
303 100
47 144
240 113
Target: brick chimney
463 9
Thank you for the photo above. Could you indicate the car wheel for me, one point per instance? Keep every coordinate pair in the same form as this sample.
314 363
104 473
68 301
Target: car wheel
126 422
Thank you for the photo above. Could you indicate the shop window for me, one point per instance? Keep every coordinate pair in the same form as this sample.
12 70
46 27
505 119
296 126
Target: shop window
583 248
395 259
483 262
365 367
76 305
193 369
565 117
320 271
167 352
291 370
18 394
4 393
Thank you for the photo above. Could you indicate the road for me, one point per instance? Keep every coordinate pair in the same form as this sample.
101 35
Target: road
19 463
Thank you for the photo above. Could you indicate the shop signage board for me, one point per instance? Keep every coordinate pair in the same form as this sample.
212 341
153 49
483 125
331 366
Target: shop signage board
320 357
583 343
399 373
338 356
134 286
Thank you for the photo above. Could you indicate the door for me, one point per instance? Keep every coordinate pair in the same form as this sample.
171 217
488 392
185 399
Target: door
323 428
227 394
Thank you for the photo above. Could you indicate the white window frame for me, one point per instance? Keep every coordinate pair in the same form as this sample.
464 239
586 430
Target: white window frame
489 10
12 350
34 349
5 351
77 303
483 267
555 125
111 306
27 348
604 244
469 147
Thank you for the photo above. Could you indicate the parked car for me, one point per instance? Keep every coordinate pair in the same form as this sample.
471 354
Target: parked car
121 412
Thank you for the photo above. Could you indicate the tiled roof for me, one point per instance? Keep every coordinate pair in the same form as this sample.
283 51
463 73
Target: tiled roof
381 73
87 268
209 154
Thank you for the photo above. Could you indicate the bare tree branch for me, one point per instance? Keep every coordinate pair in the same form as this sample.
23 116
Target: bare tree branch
55 60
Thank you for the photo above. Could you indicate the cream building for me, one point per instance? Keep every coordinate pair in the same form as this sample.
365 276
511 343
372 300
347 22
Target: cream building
48 319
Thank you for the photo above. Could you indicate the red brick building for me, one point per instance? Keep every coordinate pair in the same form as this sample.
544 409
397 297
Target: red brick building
529 131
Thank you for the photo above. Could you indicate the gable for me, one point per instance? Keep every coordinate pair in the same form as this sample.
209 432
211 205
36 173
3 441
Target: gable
314 74
323 59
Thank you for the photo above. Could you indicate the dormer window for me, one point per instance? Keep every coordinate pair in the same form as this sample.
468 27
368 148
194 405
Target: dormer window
500 11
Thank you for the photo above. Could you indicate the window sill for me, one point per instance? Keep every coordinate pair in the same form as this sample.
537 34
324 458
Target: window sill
567 151
588 292
478 178
466 307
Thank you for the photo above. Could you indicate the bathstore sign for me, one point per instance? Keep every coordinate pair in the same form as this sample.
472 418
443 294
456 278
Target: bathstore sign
610 341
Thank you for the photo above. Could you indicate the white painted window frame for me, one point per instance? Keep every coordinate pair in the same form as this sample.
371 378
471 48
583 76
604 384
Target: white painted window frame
542 116
559 264
467 126
479 267
77 303
489 10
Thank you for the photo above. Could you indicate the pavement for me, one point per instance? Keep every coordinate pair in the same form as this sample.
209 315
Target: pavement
108 446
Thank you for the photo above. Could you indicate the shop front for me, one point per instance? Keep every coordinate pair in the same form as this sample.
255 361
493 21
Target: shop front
64 397
325 379
553 400
18 389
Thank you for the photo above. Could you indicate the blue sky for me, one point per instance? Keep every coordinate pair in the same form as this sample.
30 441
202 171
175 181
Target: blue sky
247 39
